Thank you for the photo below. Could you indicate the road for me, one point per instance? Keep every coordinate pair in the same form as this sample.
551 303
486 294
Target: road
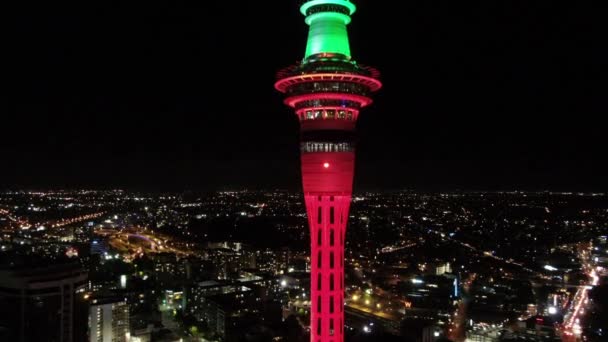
571 329
487 254
456 329
123 241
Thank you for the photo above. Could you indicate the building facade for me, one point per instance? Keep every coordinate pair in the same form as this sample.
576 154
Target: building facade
43 303
109 320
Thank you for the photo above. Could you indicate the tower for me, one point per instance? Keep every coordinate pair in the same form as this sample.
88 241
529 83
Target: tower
327 90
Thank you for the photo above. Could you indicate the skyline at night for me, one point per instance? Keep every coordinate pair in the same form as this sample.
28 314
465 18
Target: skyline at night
479 97
304 171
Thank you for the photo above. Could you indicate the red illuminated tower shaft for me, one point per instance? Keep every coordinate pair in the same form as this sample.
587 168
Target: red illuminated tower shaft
327 179
327 90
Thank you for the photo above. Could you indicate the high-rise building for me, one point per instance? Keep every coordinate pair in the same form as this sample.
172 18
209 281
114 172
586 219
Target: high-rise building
109 320
327 90
43 303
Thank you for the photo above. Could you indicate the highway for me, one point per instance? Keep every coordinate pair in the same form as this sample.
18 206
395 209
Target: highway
136 243
571 328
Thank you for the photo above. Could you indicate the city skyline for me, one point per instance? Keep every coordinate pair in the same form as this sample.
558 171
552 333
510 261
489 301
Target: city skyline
225 265
271 171
495 98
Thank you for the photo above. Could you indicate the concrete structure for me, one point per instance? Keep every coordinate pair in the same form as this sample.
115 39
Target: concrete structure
109 320
43 303
327 91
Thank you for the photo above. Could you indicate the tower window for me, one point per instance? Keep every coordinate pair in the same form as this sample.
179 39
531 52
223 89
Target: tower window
319 259
331 260
319 215
318 326
319 282
331 114
331 326
331 304
320 237
331 282
331 237
331 215
319 304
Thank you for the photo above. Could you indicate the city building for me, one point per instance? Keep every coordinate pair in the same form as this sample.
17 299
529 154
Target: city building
221 311
109 320
443 268
327 90
41 302
99 246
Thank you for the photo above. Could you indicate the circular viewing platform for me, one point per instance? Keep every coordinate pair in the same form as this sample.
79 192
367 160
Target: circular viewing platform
372 83
314 6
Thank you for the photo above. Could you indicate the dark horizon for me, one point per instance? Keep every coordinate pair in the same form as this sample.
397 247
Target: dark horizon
485 97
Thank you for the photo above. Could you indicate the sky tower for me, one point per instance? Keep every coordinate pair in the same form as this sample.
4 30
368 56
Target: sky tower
327 90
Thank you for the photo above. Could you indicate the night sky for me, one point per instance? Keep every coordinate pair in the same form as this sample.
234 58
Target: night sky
479 95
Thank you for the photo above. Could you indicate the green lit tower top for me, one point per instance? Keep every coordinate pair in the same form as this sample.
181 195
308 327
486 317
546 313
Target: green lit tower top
327 20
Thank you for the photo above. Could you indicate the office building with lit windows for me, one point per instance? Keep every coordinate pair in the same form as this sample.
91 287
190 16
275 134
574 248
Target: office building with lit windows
109 320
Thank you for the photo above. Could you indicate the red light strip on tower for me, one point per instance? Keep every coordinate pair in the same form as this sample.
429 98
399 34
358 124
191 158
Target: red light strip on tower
362 100
285 83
